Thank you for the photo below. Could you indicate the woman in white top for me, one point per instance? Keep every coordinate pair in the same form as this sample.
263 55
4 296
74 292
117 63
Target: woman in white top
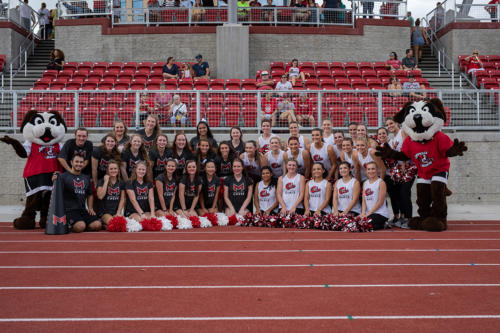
178 111
302 156
374 204
294 129
362 156
284 84
318 192
326 126
346 193
265 193
265 137
253 160
323 153
362 133
338 137
290 191
275 157
347 152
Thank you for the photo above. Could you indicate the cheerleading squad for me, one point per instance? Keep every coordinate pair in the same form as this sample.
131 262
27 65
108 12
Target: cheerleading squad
141 175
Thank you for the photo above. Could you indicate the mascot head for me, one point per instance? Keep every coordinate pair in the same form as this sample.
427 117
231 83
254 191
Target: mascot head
43 128
422 119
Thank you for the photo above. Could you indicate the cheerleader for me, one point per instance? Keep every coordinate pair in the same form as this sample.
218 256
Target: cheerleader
294 130
224 160
166 189
210 189
353 130
323 153
120 133
318 192
265 137
140 195
253 160
150 131
203 132
133 153
374 203
338 137
362 133
265 193
346 193
238 190
159 155
274 157
290 190
111 193
302 156
364 155
236 140
328 137
189 191
203 154
346 155
181 152
101 156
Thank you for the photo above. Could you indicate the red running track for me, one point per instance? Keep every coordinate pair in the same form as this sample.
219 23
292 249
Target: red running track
252 280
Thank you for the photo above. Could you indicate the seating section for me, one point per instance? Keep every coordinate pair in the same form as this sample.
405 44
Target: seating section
489 78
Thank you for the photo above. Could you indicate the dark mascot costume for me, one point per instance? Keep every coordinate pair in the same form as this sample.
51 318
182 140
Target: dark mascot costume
43 133
429 149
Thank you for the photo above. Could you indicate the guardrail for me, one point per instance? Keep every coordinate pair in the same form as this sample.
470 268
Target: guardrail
11 11
98 109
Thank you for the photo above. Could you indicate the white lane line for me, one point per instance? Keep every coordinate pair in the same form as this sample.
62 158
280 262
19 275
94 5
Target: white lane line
250 266
420 285
237 240
249 251
344 317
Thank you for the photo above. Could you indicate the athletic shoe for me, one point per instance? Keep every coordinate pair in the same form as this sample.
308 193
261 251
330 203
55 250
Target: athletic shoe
387 225
398 223
393 221
404 224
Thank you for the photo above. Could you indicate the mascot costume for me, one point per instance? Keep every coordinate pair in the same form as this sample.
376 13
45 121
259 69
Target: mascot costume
429 149
43 133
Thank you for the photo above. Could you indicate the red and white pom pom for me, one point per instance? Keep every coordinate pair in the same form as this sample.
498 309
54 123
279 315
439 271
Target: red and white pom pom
133 225
166 225
151 224
204 222
195 221
222 219
117 224
184 223
173 219
212 218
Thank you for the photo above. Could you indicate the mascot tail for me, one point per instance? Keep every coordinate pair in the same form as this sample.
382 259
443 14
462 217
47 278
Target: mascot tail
57 223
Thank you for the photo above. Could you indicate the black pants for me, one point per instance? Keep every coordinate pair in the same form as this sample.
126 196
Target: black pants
400 194
378 221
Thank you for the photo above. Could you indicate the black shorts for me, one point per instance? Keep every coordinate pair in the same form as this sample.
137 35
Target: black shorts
83 215
37 183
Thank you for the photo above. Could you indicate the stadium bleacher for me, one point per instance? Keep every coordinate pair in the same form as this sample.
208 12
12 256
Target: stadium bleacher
490 77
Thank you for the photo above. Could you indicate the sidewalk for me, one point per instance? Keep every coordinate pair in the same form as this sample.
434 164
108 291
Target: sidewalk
464 212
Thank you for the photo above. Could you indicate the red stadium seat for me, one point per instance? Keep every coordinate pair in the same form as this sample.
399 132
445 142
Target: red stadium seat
369 73
249 100
336 65
312 84
186 84
362 66
358 83
249 113
127 115
276 73
378 65
342 83
217 84
381 73
368 101
371 114
233 84
89 116
321 66
353 73
107 116
201 84
323 74
339 73
337 114
248 84
232 100
277 65
214 115
231 115
373 83
350 66
327 84
355 113
100 66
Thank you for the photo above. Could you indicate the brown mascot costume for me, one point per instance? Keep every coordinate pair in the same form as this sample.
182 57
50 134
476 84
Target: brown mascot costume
429 149
43 133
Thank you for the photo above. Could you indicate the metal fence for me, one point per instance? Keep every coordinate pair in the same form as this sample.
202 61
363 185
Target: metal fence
98 109
11 11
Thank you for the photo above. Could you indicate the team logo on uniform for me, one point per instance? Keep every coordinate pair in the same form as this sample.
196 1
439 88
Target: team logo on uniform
81 153
169 187
289 186
275 165
160 162
103 163
192 188
142 190
264 148
57 219
79 185
317 158
264 193
364 165
368 192
238 187
132 163
47 152
315 189
180 162
211 188
423 159
225 167
343 190
148 144
113 191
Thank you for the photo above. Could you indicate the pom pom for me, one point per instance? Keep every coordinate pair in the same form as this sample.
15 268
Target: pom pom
233 220
195 221
166 225
212 218
117 224
184 223
222 219
133 225
205 223
151 224
173 220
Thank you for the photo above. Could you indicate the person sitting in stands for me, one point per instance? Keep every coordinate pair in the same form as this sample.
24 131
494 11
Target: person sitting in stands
412 85
474 63
394 85
393 63
409 62
264 83
201 68
170 70
178 112
295 72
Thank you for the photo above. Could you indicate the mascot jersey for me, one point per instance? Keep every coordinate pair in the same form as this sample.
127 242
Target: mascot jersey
42 159
429 156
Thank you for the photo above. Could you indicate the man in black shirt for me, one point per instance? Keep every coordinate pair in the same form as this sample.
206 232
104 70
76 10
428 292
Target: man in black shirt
77 191
409 62
77 146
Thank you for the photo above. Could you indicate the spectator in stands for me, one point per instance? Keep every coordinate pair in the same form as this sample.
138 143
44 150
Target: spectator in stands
169 3
411 85
418 38
197 12
146 106
368 9
305 112
269 108
154 11
299 15
393 63
294 72
178 112
187 71
492 9
56 60
313 12
286 110
54 15
330 15
394 84
163 99
186 4
264 83
201 68
255 3
116 10
474 63
170 70
439 14
409 62
222 3
268 14
410 18
243 10
208 3
44 20
26 15
283 84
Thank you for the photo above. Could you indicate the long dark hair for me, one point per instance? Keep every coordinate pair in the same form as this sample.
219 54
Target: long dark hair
274 180
257 153
232 153
199 157
174 148
142 149
209 132
112 154
196 174
243 170
325 173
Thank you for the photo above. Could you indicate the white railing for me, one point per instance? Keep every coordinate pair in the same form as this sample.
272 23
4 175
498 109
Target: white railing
84 8
380 9
11 11
98 109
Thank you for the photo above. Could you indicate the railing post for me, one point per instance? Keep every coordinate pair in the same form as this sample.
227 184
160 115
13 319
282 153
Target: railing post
379 111
259 110
10 78
137 107
198 109
147 17
275 14
77 114
439 63
498 99
112 13
460 79
25 63
320 107
477 107
317 16
189 16
452 75
14 110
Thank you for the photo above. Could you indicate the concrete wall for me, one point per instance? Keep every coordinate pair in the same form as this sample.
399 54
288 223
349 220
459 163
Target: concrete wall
473 178
10 40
